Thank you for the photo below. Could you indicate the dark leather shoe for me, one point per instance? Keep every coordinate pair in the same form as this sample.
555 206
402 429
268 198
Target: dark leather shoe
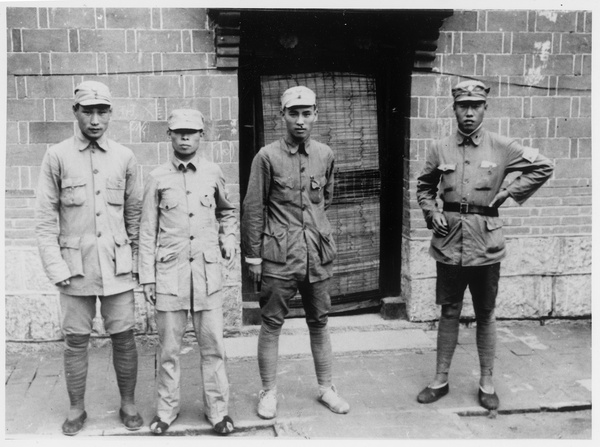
131 423
71 428
489 401
430 395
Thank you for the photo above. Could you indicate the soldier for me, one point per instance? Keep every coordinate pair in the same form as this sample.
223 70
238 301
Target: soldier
184 202
469 168
87 221
288 244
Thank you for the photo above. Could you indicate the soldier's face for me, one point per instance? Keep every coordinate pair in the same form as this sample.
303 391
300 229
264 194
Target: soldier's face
469 115
93 120
185 142
299 121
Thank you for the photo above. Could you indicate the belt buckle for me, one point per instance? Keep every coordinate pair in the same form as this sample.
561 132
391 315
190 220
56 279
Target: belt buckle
464 208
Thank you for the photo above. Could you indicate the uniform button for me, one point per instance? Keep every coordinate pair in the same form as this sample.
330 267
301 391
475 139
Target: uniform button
467 162
191 259
192 238
98 213
99 234
188 192
93 152
302 169
302 189
303 207
97 192
96 171
191 214
466 181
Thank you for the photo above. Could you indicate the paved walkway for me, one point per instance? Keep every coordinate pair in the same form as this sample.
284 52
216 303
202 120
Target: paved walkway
379 368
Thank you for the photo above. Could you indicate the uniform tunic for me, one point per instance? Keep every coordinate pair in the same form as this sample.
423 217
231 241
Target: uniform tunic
471 169
284 220
185 214
87 216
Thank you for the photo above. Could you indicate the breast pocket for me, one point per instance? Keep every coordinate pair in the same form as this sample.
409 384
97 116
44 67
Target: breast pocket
72 191
317 186
448 177
282 189
115 191
485 177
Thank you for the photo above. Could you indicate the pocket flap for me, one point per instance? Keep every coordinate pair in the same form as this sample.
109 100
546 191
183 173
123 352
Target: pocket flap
122 240
115 183
167 204
72 182
69 241
447 167
212 256
493 223
285 182
165 256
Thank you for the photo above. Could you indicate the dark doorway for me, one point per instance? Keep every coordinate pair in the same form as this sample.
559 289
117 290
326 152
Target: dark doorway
359 64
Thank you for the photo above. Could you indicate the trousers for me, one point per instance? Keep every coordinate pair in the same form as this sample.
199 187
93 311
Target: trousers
274 302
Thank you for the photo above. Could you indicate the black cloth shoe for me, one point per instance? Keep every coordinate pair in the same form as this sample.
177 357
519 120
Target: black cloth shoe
489 401
430 395
224 427
131 423
71 428
158 427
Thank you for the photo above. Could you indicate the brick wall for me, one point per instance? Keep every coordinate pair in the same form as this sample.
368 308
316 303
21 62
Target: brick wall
538 65
154 60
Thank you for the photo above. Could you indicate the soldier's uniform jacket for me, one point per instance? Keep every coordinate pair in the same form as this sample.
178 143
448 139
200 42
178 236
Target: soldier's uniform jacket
186 215
472 170
284 220
87 216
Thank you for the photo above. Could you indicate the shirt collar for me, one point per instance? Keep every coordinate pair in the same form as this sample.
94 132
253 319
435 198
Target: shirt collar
191 164
82 142
473 137
293 147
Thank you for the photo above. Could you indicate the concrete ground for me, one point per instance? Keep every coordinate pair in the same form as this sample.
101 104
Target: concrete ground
379 367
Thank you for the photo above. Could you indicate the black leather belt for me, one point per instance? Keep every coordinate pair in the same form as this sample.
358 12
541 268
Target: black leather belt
467 208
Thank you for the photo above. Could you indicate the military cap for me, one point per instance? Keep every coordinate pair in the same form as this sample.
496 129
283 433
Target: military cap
91 93
186 119
298 96
470 90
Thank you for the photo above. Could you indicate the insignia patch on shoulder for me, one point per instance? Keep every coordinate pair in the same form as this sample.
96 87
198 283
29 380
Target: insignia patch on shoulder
530 154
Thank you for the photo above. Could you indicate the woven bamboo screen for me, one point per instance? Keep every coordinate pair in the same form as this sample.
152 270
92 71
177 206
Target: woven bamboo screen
348 124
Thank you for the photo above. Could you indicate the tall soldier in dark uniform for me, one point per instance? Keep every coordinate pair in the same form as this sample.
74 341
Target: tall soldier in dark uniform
469 168
287 242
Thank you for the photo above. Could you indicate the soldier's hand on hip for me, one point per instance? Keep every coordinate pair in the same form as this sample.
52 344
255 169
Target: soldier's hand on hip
150 292
499 198
440 224
255 272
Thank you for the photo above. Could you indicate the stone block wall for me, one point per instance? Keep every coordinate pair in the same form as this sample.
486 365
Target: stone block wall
154 60
538 65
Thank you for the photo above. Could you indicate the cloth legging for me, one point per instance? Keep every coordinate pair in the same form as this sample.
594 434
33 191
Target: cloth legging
268 351
447 338
125 361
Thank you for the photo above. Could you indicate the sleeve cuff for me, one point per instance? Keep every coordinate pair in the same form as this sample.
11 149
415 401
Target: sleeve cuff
253 261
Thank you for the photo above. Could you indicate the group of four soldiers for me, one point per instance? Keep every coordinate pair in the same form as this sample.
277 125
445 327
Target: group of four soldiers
99 239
